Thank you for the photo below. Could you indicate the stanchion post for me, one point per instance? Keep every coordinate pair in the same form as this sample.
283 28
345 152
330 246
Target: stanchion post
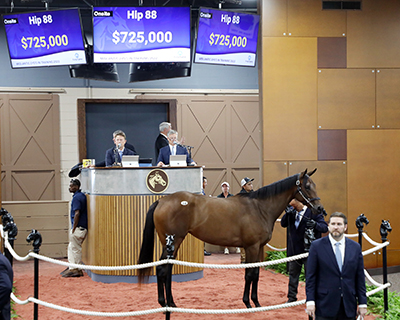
8 226
361 219
384 230
168 283
36 237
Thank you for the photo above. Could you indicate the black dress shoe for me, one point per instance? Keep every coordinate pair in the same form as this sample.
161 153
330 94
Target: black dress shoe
207 253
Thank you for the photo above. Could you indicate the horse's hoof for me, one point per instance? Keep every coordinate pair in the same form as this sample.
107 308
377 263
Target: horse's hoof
173 305
257 305
162 304
248 305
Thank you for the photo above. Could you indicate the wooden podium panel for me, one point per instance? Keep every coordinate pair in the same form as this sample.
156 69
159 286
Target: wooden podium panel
116 221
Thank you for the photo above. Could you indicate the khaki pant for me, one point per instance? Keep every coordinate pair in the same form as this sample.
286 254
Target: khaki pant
75 245
242 255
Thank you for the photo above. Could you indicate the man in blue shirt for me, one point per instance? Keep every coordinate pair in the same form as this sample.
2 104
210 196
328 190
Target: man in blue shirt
78 231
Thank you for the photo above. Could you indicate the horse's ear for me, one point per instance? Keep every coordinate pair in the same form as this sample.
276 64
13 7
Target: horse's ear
312 172
302 174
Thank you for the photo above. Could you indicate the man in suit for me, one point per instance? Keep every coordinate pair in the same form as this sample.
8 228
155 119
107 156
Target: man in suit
296 219
6 284
173 148
114 155
335 275
162 139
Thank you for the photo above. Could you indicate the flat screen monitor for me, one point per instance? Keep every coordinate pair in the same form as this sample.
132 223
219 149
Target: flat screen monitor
227 38
46 38
141 34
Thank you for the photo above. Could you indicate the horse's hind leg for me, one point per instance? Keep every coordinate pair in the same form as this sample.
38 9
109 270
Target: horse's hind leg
161 272
254 287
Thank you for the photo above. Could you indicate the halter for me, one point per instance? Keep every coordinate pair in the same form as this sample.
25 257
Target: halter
307 199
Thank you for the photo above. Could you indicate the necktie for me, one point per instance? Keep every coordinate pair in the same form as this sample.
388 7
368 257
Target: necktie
173 150
120 155
338 255
297 221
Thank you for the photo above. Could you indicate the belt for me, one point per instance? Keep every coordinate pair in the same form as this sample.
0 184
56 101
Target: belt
81 228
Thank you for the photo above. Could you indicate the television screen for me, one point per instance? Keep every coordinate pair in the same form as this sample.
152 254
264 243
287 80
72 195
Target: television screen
158 70
43 39
94 71
141 34
228 38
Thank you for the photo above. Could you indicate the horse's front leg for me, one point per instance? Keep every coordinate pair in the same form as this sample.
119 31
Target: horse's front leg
254 287
247 284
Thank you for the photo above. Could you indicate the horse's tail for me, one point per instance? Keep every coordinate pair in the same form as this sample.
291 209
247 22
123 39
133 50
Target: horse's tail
146 252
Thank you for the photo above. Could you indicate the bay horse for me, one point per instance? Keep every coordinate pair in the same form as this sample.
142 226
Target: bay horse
244 220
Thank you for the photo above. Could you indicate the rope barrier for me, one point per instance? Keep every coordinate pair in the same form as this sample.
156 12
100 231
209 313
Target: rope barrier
276 249
380 287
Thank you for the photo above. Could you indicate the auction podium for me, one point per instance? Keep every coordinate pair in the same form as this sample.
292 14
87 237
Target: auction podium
118 200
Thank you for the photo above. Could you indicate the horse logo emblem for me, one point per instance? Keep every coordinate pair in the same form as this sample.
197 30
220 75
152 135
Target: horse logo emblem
157 181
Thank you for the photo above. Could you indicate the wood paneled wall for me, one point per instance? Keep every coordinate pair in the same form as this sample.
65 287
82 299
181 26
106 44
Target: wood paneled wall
330 99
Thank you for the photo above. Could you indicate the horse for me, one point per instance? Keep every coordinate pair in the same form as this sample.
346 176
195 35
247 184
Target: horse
244 220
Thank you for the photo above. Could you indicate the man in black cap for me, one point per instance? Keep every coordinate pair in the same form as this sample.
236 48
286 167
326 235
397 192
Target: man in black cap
247 185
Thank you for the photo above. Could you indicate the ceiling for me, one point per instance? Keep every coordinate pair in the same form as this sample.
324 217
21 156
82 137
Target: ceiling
7 6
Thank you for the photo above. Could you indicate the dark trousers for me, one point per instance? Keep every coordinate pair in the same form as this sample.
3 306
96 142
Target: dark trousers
340 316
294 273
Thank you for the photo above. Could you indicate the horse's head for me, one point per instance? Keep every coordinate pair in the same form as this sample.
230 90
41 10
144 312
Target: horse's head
159 179
306 192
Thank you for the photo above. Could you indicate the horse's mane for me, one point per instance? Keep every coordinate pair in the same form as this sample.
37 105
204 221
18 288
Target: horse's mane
273 188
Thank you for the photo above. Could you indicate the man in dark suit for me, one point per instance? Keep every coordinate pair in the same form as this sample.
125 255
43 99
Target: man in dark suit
173 148
6 284
335 275
295 220
114 155
162 139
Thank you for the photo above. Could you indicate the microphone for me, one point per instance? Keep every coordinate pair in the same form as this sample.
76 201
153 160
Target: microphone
182 145
178 144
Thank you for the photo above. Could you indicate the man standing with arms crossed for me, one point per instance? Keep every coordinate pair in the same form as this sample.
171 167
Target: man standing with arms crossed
79 228
335 281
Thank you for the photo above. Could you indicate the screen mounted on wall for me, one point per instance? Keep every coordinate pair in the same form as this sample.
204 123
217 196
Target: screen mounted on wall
43 39
226 37
141 34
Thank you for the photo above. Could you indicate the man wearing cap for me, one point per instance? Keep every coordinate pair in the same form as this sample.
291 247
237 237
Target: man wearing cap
247 185
225 191
225 194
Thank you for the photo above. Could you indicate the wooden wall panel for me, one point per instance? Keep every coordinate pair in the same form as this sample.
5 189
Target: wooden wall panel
346 99
274 21
388 98
274 171
31 147
373 175
306 18
373 35
50 218
289 98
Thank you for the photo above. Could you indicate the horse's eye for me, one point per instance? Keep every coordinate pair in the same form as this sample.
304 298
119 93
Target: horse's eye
307 186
